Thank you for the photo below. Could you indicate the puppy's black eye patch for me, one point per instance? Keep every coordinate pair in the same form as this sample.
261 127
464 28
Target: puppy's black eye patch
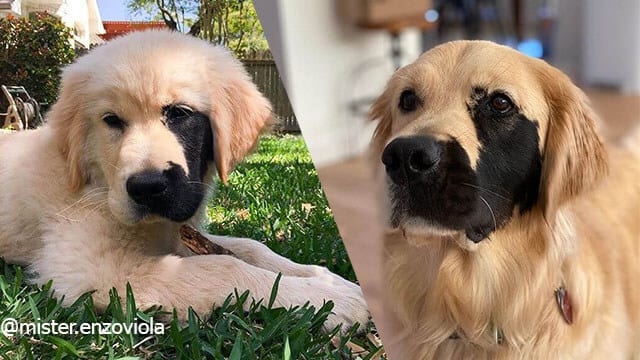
175 113
113 121
409 101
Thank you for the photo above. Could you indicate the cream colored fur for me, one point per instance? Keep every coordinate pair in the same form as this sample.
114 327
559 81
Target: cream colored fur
65 212
584 234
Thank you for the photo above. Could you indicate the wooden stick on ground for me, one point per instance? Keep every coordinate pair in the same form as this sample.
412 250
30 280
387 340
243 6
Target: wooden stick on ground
199 244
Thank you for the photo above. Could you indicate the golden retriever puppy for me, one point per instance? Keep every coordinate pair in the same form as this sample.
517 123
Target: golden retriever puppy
95 198
512 234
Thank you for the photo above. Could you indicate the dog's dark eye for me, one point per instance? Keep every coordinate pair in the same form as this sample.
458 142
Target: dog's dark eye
501 103
175 113
113 121
409 101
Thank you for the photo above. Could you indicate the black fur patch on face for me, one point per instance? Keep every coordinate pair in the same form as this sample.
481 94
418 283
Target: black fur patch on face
509 166
447 192
193 130
172 193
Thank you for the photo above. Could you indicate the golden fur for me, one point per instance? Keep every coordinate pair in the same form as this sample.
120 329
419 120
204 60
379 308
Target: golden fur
66 212
584 232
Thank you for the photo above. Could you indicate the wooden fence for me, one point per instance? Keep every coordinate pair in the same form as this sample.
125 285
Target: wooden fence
265 75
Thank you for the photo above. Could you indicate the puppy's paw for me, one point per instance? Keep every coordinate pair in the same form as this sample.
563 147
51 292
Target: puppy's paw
349 305
349 308
329 278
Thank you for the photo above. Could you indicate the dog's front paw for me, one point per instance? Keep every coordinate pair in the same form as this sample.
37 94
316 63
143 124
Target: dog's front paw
349 305
325 275
349 308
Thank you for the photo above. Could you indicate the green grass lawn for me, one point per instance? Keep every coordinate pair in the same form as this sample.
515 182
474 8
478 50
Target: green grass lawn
274 197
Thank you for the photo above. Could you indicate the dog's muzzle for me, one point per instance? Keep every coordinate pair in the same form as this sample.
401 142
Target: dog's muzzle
431 180
168 193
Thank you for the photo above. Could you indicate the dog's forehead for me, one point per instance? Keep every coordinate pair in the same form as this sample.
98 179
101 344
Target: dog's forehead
154 84
145 79
452 70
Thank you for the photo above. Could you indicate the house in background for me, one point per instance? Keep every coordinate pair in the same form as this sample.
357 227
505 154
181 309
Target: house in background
118 28
82 16
10 7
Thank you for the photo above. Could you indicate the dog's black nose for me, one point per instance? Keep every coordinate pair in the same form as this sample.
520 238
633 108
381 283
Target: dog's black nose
410 158
144 186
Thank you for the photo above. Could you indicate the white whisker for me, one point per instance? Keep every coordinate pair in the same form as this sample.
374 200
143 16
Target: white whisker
88 196
114 166
486 190
493 216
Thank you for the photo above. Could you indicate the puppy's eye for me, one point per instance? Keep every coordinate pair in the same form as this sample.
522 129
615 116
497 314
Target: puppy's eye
501 103
177 112
409 101
113 121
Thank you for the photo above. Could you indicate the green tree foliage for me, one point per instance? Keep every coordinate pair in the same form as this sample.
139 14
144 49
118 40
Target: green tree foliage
232 23
32 52
177 14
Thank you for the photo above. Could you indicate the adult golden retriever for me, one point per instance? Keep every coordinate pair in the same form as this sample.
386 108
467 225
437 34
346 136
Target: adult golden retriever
95 198
512 233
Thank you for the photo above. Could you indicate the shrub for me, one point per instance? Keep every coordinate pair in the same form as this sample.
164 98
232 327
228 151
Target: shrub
32 52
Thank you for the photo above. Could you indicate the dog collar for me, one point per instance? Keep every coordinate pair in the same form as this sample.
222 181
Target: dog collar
564 305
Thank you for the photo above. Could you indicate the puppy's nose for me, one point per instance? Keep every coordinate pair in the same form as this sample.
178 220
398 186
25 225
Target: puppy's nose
143 186
410 158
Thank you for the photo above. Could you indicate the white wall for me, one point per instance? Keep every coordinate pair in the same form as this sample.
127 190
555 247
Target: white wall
14 9
611 44
326 65
82 16
567 49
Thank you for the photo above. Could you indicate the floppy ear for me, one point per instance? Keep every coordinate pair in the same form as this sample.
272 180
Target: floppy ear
240 115
574 158
66 120
381 111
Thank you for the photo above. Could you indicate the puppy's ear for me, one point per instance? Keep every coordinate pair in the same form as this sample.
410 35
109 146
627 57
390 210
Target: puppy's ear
241 113
66 120
574 156
381 111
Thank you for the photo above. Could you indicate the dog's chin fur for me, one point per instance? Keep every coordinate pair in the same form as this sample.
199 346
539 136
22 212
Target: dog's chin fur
146 219
133 215
127 213
419 233
123 214
578 229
